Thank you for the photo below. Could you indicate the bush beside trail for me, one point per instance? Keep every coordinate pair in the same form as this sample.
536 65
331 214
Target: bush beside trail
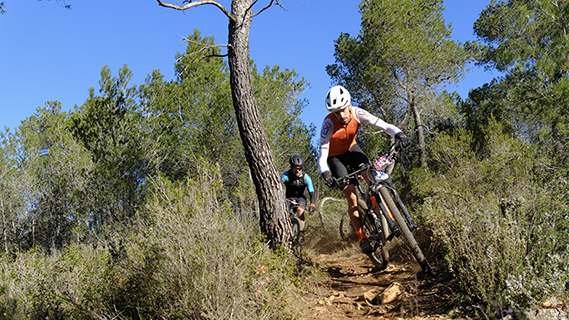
186 257
497 217
501 217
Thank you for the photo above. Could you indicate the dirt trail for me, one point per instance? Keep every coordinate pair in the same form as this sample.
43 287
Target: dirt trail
355 290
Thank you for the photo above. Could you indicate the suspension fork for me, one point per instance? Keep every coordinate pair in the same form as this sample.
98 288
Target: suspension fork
386 213
371 212
411 222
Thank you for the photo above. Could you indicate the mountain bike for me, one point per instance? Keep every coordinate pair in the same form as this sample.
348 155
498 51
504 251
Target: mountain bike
383 213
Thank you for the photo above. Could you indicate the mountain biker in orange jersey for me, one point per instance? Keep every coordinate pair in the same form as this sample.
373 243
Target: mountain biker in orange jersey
338 148
296 183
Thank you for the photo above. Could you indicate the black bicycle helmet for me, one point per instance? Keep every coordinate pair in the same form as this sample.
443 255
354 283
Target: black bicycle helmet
296 161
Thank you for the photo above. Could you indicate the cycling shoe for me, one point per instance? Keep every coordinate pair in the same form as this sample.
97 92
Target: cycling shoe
366 246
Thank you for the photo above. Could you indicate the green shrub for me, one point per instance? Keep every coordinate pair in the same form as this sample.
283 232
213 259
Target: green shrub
210 263
186 257
57 286
503 227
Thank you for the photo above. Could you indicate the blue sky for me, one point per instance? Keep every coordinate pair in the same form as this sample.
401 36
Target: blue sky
50 53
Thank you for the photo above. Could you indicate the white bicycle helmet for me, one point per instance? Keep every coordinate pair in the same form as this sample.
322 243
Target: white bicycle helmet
337 99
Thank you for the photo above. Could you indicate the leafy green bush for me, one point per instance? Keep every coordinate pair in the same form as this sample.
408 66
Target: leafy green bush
57 286
186 257
504 227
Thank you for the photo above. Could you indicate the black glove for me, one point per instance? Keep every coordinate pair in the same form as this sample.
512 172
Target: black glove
404 141
330 181
311 207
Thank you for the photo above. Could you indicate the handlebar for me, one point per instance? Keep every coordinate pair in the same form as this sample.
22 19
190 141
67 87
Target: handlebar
379 164
307 209
296 204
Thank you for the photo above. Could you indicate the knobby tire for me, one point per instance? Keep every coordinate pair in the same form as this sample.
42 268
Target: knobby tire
296 241
379 257
405 230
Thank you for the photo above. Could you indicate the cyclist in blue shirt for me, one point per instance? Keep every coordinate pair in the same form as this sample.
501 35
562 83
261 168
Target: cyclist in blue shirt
297 182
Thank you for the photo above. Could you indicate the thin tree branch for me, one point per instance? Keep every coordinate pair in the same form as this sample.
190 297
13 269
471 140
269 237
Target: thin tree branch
203 48
198 3
61 3
376 103
265 8
322 204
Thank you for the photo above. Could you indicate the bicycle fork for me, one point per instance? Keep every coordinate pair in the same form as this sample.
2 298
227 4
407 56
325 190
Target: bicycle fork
375 221
410 221
386 214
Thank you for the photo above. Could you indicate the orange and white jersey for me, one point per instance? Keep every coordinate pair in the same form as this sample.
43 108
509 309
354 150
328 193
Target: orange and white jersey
337 139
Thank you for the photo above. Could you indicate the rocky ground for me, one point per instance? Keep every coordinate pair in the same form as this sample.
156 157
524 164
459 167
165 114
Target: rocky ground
354 289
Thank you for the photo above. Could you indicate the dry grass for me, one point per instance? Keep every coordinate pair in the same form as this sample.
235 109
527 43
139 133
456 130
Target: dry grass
186 257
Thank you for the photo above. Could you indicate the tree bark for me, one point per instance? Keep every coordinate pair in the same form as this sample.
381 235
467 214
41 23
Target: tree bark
273 214
419 129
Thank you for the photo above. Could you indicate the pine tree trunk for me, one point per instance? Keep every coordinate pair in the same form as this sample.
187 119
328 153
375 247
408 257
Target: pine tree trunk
420 135
273 216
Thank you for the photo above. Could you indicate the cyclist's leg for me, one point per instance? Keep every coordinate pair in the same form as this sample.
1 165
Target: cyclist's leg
300 211
356 218
354 158
350 193
338 168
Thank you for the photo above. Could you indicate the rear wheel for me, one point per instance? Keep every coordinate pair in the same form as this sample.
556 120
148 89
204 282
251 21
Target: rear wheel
402 223
347 231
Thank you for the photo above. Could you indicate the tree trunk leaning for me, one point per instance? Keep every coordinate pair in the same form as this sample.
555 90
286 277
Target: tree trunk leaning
273 218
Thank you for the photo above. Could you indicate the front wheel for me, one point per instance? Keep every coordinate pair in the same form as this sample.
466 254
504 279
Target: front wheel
296 241
385 194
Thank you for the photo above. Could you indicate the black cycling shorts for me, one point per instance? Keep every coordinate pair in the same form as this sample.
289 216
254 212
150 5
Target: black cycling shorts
299 200
351 160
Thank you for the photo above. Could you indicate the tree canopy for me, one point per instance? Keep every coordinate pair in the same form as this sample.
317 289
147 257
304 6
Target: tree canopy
71 175
527 41
400 62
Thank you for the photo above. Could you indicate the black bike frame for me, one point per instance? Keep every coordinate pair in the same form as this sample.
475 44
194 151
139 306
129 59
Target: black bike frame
387 183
